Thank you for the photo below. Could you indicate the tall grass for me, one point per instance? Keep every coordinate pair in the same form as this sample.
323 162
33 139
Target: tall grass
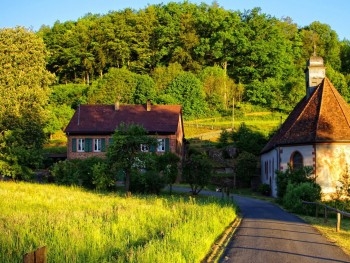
80 226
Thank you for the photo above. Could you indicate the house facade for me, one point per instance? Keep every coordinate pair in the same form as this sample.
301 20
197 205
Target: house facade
315 134
90 130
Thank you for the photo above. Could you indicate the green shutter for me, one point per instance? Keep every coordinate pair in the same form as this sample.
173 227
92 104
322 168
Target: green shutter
167 144
103 145
152 148
88 145
74 145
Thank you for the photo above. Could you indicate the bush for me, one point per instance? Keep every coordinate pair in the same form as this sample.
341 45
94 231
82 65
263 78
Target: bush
292 176
264 189
296 193
148 182
76 172
101 178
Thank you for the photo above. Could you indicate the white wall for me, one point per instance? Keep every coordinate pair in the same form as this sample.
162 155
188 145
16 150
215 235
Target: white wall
279 158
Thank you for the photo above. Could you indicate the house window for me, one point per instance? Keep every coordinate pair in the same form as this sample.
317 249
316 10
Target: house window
81 145
97 145
296 160
144 148
161 145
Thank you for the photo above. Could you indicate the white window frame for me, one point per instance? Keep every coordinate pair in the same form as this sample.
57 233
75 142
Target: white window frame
161 145
80 145
97 145
144 148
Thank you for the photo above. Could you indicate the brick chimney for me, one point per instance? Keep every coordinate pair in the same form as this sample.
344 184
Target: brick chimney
116 105
148 105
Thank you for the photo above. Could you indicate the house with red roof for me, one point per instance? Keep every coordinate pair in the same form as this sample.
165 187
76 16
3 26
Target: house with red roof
90 130
316 134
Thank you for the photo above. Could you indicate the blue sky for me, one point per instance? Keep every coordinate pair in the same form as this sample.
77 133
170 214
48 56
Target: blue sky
34 13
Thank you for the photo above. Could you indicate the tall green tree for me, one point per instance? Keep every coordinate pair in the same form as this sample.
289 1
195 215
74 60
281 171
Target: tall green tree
187 90
118 83
320 38
124 154
164 75
144 90
24 96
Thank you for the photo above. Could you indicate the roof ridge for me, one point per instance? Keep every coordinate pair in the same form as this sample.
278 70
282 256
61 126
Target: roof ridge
319 111
334 92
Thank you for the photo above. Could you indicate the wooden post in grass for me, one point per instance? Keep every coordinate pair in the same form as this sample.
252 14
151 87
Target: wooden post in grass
37 256
338 222
316 210
325 215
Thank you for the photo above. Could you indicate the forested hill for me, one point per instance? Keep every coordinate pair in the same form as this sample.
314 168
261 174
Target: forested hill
169 52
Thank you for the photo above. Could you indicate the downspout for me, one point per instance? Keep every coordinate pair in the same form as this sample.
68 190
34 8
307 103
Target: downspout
277 149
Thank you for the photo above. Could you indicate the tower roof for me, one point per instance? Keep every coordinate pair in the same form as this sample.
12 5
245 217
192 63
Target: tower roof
322 117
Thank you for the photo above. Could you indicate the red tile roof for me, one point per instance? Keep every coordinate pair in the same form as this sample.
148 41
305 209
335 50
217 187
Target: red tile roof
104 119
323 117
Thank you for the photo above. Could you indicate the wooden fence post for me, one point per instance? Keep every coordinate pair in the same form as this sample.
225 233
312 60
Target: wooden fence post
338 222
325 215
316 210
29 258
37 256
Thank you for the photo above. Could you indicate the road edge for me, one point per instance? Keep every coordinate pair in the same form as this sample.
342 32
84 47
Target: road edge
221 242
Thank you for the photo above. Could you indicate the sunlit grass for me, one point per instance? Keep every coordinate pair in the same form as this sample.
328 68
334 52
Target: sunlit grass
80 226
264 122
328 229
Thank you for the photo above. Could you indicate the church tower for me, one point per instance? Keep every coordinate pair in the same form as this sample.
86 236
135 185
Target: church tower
315 72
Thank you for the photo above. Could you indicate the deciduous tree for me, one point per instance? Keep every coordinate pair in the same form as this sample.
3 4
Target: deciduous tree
124 153
23 95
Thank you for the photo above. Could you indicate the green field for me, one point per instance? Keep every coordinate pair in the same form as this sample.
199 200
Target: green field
263 122
81 226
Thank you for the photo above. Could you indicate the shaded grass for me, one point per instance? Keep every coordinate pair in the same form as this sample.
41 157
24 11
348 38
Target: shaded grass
80 226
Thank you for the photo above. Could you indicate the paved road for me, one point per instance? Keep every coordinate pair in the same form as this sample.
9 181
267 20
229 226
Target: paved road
268 234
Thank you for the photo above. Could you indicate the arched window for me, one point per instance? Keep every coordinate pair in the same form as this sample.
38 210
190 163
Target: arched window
296 160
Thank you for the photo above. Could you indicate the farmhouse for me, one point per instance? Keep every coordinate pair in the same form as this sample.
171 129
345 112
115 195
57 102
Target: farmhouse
316 134
90 130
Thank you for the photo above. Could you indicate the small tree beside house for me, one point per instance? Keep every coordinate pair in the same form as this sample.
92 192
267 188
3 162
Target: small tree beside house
197 171
124 150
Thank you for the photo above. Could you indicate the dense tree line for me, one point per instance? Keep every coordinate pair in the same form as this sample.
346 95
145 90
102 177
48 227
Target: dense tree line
249 56
201 56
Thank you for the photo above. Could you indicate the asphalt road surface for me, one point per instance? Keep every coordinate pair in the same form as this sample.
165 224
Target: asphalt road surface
268 234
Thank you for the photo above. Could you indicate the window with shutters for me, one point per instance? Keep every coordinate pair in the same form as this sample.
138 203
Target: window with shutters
97 145
144 148
81 145
161 145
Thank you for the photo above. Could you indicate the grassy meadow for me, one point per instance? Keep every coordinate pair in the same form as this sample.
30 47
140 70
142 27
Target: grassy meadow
81 226
263 122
